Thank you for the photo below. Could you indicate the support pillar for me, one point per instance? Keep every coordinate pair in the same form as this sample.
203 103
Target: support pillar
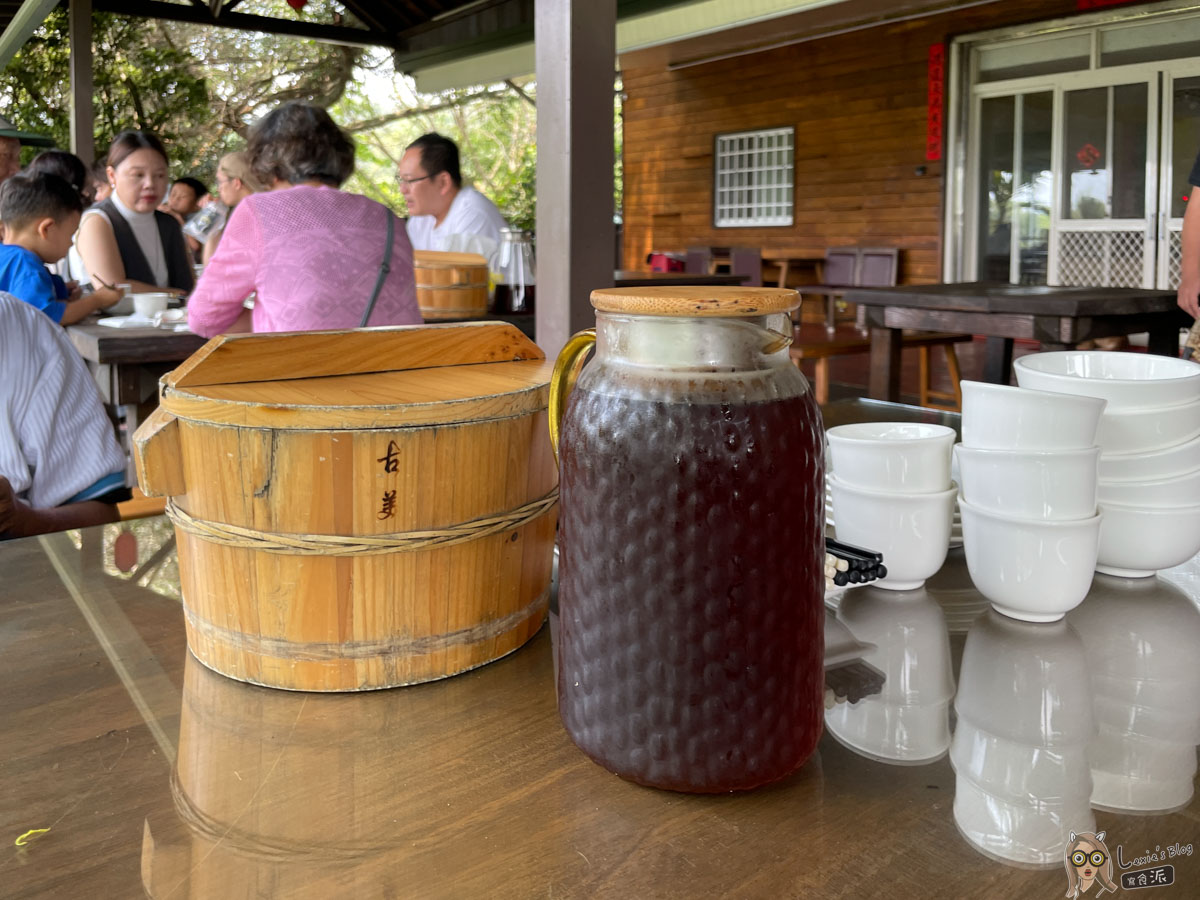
83 117
575 45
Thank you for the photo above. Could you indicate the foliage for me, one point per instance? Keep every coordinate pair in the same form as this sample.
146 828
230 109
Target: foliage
495 128
201 88
137 84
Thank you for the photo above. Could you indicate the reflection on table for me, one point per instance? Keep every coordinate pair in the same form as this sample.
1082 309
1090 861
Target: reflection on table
157 775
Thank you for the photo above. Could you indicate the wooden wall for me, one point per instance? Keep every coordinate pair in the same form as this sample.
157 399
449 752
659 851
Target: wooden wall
858 103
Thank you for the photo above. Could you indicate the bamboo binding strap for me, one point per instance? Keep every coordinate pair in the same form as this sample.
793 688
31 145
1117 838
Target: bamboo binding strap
364 544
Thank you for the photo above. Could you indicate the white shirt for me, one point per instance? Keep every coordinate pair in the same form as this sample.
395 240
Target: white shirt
145 230
472 225
55 438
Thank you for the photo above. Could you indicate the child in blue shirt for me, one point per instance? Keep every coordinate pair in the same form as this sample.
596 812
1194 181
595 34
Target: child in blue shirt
40 213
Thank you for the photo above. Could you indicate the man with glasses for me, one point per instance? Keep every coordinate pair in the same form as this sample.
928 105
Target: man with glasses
443 213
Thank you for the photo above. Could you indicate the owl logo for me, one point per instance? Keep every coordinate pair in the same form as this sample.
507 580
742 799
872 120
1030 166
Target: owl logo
1088 861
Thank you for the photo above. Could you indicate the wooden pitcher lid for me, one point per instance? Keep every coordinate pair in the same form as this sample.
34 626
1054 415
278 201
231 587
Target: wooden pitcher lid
371 378
691 300
436 258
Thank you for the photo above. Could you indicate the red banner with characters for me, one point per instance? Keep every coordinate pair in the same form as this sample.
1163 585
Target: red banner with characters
937 86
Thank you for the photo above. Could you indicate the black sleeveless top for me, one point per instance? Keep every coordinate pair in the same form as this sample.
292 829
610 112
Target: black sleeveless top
179 265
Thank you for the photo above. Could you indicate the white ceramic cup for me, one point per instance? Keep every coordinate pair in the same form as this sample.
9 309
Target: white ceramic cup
1002 417
1126 380
905 457
912 531
1036 570
148 304
1034 484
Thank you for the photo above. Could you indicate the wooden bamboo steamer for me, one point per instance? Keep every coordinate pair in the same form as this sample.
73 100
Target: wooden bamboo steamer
278 451
451 285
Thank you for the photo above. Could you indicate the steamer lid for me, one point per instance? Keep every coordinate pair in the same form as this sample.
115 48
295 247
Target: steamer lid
438 259
372 378
695 300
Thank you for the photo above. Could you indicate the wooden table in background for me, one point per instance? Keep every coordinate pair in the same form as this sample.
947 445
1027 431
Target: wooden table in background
160 778
127 363
1057 317
635 278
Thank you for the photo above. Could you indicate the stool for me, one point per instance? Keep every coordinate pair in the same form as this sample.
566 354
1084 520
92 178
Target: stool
822 351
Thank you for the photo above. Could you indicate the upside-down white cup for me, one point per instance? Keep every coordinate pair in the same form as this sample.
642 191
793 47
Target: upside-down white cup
1002 417
912 531
905 457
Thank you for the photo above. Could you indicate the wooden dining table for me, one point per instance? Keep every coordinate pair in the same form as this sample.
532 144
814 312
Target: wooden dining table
129 769
1057 317
127 363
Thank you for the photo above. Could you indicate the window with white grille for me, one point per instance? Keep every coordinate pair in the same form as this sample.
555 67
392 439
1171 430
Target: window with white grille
754 178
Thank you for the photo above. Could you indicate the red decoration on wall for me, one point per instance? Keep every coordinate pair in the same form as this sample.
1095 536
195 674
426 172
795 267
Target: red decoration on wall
1088 155
1082 5
937 82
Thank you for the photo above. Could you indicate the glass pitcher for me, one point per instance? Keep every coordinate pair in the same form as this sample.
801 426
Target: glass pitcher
691 539
516 284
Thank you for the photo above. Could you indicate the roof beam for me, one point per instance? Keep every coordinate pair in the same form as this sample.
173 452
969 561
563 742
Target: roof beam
31 14
154 9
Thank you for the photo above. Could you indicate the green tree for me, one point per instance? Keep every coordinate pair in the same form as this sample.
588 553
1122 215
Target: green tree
137 85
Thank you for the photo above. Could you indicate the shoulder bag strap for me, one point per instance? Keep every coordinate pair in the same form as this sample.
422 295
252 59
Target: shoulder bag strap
384 267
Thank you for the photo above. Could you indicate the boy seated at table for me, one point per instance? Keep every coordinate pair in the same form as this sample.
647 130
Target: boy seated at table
40 213
60 463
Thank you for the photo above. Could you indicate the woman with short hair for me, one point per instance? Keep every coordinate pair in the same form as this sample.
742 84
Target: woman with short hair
316 257
125 238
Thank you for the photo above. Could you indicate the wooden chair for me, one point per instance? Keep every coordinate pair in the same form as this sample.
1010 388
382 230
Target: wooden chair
747 261
823 350
839 272
698 260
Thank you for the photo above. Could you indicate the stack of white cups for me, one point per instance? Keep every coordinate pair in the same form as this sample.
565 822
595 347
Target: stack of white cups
1149 436
1028 467
891 491
1020 748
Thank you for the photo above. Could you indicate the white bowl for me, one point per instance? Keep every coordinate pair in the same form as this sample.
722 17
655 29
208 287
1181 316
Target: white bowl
1034 484
1154 428
1161 493
912 531
1125 380
1037 570
1002 417
1138 541
907 457
1179 725
1151 465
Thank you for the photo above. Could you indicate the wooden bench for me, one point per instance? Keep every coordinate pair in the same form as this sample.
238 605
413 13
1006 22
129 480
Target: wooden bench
821 351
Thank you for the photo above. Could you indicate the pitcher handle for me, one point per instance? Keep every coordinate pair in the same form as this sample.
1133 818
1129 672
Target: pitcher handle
562 379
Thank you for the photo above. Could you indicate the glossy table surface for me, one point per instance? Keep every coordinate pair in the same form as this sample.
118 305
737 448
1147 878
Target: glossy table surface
157 777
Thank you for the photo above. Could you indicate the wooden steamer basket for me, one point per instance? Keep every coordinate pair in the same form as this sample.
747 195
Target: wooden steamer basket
450 285
357 510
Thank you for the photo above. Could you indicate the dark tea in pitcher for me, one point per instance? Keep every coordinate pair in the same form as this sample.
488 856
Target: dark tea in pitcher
691 594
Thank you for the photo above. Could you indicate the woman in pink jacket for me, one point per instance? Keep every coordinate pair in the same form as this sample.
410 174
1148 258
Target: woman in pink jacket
315 257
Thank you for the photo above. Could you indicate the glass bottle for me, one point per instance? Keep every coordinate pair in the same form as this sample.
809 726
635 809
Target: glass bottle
691 593
516 283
